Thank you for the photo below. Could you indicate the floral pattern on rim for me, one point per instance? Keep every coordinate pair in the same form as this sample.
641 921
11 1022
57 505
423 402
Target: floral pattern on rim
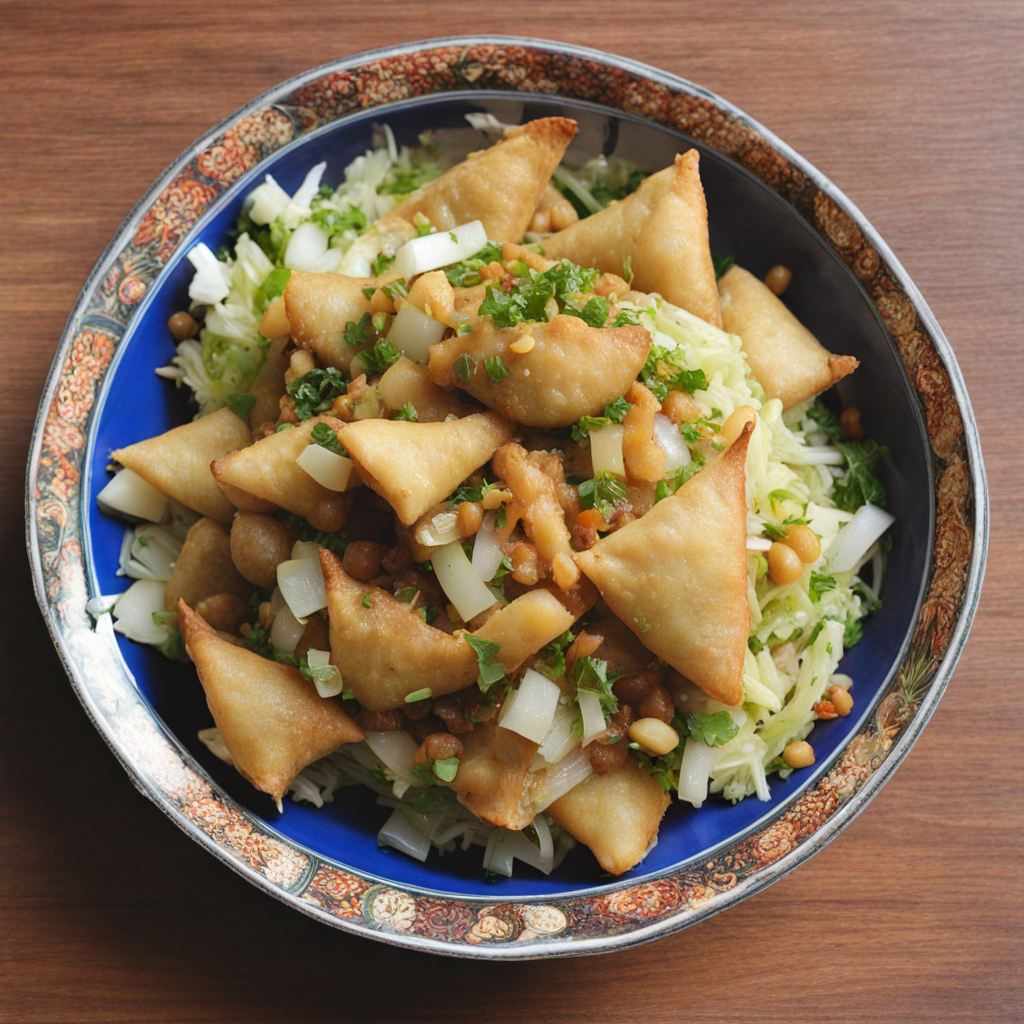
102 316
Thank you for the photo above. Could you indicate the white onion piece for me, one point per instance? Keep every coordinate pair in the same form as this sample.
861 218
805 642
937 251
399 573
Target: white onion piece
663 340
302 584
698 761
329 262
530 711
759 544
562 736
306 246
310 185
286 631
666 433
606 449
439 530
305 549
401 834
820 457
148 553
266 202
856 537
133 613
327 468
488 548
505 845
430 252
129 495
355 265
593 716
277 599
557 780
212 280
395 750
332 686
460 581
413 332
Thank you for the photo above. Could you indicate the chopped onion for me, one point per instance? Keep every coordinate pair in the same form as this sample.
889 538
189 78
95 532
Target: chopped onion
820 457
530 711
331 686
135 610
330 261
666 433
854 540
306 246
593 716
698 761
488 548
460 581
557 780
413 332
606 450
129 495
563 735
266 202
149 553
440 529
310 185
355 265
327 468
212 280
305 549
759 544
401 834
395 750
439 249
286 631
505 845
302 584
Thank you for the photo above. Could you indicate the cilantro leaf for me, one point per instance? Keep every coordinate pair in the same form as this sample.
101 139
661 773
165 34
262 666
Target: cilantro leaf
333 221
496 368
324 436
491 671
858 485
380 357
408 412
820 584
381 263
626 318
590 675
395 290
467 273
602 493
315 392
425 694
853 631
713 729
614 412
464 366
358 333
552 656
594 313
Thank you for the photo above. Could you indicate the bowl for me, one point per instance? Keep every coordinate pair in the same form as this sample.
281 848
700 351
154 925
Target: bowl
766 206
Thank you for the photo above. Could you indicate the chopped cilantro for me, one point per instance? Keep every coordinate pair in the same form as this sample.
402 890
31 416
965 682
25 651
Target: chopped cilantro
626 318
380 357
713 729
467 273
446 768
590 675
464 366
464 328
427 613
614 412
491 671
315 392
602 493
406 594
858 485
775 532
425 694
755 645
366 599
357 334
528 300
852 632
395 290
594 313
324 436
407 412
672 483
381 263
820 583
496 368
627 271
335 222
552 656
369 291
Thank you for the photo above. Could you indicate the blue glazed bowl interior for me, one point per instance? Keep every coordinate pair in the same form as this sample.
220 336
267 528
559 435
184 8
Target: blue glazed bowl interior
748 221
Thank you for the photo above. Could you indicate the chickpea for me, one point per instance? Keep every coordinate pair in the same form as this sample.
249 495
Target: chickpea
449 711
380 721
798 754
778 278
396 559
850 425
525 564
680 407
259 544
784 564
733 426
654 736
417 710
607 757
563 213
275 323
633 688
658 704
329 513
471 516
492 499
804 541
362 559
438 746
182 327
523 344
841 700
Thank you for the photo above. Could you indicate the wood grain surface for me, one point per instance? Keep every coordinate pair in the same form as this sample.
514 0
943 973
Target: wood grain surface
109 913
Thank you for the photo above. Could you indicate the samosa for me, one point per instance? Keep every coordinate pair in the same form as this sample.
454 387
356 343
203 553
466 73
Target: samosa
570 370
408 383
414 466
678 576
783 356
272 721
178 463
661 230
499 186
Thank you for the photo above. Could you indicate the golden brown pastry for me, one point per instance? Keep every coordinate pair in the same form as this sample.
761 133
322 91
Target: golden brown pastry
272 721
678 576
178 463
572 369
783 356
406 381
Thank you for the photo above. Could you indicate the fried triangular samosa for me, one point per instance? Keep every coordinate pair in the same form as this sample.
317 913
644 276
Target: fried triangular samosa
572 370
678 576
406 382
320 307
205 567
783 356
266 473
178 463
662 228
493 774
414 466
499 186
273 721
617 815
269 386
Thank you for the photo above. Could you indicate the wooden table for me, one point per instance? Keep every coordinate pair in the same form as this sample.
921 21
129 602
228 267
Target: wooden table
915 913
